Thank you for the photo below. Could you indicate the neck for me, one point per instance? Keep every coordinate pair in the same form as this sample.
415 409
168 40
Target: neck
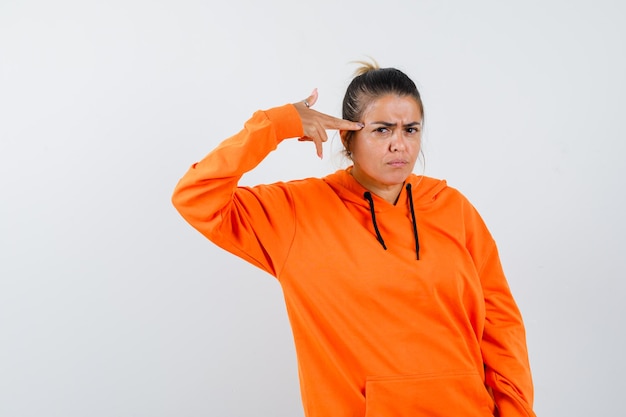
389 193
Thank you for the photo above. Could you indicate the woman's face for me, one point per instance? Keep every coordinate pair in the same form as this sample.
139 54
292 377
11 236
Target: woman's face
384 152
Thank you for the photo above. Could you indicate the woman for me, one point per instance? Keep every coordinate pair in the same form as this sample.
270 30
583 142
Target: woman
393 285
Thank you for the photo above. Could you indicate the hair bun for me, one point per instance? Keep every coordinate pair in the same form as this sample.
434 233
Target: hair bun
366 66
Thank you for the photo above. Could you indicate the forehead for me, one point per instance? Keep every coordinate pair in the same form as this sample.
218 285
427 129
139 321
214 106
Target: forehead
392 106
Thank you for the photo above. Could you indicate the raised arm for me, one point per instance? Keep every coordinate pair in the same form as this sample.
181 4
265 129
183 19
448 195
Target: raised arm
255 223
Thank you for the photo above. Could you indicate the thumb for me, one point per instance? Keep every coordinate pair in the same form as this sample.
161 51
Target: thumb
312 99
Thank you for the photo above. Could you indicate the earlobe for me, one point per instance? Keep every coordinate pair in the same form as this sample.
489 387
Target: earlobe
346 139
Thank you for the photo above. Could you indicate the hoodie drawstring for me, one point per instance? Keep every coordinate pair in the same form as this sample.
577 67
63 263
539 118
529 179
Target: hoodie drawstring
417 242
368 196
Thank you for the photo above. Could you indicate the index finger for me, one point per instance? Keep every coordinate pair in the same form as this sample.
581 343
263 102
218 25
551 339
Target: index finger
342 124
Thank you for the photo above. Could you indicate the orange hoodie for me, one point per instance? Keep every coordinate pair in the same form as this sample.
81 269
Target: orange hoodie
378 333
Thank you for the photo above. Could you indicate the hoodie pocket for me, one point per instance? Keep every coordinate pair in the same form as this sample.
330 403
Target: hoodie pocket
457 394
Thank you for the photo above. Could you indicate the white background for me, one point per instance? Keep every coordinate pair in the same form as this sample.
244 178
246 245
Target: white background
111 305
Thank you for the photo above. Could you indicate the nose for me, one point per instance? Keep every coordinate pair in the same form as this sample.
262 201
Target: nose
397 143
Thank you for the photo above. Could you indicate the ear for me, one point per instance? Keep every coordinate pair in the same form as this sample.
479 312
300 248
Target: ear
343 134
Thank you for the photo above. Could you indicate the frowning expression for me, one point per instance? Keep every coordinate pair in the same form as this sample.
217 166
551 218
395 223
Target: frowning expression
384 152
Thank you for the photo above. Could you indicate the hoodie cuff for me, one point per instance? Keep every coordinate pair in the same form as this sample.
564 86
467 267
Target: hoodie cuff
286 122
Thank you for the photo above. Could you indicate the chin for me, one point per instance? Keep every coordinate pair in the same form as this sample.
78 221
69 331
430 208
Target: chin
400 175
398 179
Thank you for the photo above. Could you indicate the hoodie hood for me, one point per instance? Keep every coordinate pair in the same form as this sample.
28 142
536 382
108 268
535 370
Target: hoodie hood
424 190
417 191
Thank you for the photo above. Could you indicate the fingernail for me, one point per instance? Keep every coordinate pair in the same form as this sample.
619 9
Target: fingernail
361 125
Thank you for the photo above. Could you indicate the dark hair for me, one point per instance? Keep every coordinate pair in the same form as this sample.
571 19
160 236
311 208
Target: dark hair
372 82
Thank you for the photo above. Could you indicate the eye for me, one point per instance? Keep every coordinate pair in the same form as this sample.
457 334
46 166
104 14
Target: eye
381 130
412 130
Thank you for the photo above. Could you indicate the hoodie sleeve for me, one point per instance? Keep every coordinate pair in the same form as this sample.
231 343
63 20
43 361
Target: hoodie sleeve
254 223
503 345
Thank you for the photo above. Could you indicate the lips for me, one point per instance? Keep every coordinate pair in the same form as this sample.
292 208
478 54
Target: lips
397 163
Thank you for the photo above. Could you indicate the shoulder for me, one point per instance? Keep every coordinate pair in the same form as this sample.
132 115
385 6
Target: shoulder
436 194
428 190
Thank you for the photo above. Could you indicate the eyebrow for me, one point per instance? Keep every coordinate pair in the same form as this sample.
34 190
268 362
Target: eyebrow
387 124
